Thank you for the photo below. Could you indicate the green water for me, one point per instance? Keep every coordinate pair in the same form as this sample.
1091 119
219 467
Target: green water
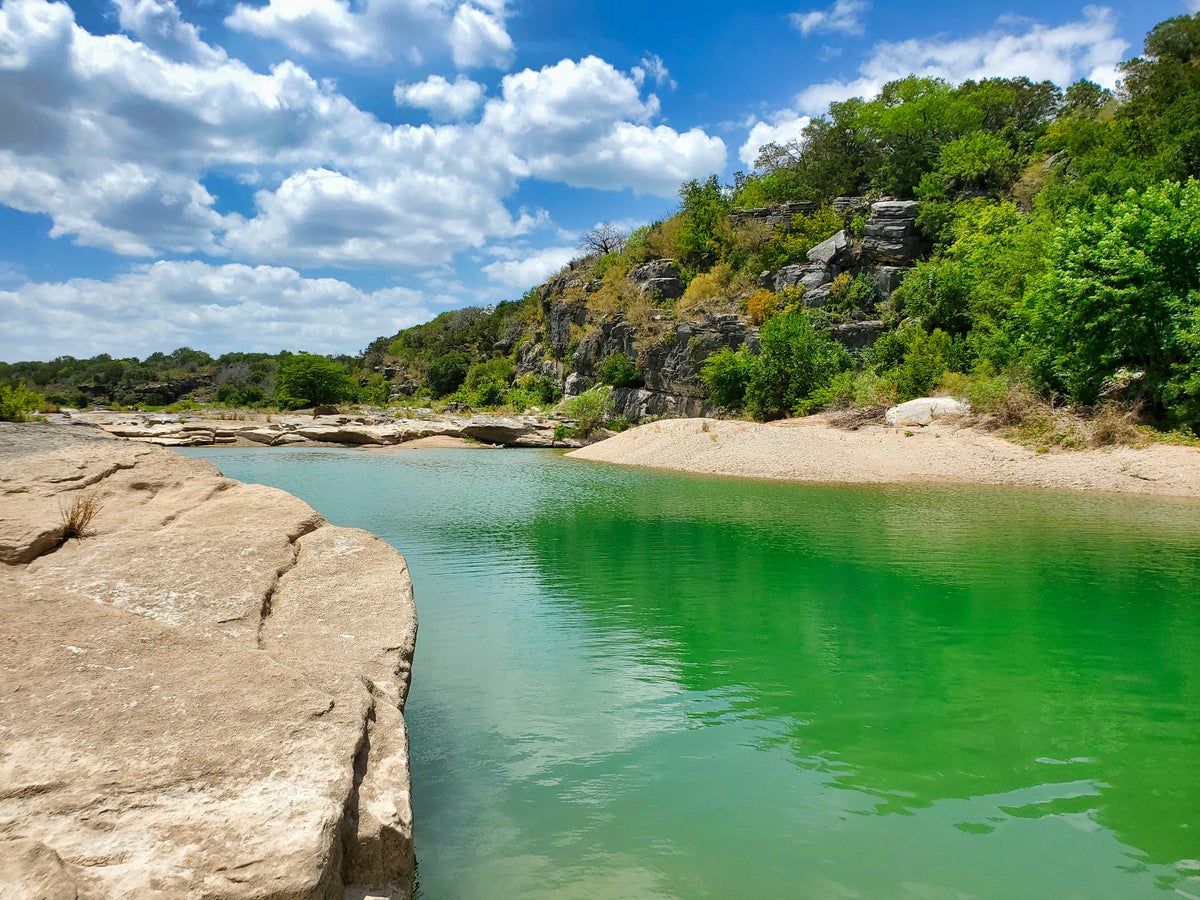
633 684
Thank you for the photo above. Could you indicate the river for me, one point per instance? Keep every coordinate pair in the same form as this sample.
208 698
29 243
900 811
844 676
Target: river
638 684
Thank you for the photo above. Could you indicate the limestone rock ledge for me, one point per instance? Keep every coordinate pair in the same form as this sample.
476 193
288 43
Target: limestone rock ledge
205 697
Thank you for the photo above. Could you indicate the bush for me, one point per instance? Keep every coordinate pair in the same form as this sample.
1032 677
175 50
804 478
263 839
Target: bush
18 403
795 360
445 374
589 410
726 374
926 358
540 387
618 370
761 306
377 391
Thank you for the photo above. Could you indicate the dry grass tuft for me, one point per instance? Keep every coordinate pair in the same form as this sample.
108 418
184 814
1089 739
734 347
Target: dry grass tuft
77 518
1113 424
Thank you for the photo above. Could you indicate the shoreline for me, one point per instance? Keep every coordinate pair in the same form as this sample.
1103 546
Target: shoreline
815 451
201 651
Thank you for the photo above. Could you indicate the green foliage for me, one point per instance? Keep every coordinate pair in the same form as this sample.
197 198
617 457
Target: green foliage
18 403
589 410
706 231
376 391
446 373
977 163
913 359
305 379
619 370
1123 292
726 374
795 359
543 390
792 245
492 371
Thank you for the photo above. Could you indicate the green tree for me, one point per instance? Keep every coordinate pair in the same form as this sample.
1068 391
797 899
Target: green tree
706 232
305 379
726 373
794 360
18 403
445 373
1122 291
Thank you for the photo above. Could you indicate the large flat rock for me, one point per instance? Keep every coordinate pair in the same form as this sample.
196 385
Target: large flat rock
204 699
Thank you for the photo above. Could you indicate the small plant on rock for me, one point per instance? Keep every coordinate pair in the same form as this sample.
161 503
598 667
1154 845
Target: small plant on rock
77 516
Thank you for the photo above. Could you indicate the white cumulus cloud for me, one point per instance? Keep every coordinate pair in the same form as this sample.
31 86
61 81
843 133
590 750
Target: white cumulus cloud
1087 48
444 99
115 142
529 267
784 126
382 30
478 38
214 308
844 16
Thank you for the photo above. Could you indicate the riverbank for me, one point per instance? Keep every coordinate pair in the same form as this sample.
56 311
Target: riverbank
247 428
204 695
811 449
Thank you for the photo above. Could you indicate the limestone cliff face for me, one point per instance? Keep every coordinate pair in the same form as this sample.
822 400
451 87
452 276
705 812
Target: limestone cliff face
204 698
670 354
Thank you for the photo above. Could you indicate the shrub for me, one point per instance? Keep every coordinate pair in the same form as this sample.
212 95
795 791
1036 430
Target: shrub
589 410
618 370
761 306
726 374
984 392
377 390
445 374
542 388
795 360
18 403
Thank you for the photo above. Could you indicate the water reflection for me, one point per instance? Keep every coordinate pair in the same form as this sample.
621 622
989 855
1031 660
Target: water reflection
632 684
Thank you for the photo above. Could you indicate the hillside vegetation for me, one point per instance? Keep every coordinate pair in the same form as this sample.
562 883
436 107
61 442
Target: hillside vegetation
1058 264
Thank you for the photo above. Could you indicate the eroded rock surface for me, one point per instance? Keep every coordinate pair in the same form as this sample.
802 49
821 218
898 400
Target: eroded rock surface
204 699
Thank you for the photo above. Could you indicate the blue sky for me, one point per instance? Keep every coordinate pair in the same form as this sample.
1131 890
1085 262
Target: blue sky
312 174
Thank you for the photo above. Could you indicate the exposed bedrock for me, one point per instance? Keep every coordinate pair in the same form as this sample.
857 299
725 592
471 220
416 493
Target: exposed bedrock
202 699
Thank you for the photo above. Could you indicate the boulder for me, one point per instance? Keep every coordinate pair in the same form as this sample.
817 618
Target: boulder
203 699
925 410
576 384
887 279
659 279
858 335
809 277
831 252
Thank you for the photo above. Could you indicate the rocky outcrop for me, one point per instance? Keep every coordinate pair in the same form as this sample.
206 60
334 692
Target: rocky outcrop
204 699
659 278
191 430
669 363
891 244
777 216
892 236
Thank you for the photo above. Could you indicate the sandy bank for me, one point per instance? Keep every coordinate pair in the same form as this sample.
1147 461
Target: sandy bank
812 450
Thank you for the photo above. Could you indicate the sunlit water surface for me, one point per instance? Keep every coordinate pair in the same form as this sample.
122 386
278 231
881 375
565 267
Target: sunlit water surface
634 684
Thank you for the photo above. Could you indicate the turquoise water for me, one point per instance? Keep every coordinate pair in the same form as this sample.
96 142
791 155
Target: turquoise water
633 684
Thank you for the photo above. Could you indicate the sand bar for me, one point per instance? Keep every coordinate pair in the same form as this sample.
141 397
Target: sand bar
811 449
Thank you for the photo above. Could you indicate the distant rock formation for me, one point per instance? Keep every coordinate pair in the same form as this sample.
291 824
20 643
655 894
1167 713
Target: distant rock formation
204 699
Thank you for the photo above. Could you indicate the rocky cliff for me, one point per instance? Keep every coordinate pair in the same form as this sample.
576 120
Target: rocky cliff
670 350
204 697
